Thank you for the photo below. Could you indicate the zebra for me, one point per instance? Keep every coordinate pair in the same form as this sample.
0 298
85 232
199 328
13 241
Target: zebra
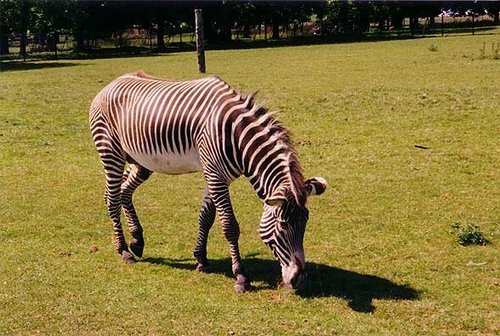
142 124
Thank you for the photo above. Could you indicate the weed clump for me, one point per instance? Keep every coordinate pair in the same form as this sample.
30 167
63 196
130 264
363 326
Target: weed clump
433 48
469 234
495 51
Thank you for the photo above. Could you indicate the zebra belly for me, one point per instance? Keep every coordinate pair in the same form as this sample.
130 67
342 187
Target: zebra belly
169 163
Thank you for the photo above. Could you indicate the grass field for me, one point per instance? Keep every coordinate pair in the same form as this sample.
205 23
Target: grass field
408 139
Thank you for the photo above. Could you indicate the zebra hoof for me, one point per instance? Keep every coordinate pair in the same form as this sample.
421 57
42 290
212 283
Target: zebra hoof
137 248
242 287
128 258
242 284
202 267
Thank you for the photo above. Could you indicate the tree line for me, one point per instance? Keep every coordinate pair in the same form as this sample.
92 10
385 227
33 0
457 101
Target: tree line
87 21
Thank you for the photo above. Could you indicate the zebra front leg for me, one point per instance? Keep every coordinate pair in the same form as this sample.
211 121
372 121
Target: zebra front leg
133 178
206 220
231 229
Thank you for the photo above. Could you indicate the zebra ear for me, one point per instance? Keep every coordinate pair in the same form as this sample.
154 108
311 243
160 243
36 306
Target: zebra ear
315 185
277 198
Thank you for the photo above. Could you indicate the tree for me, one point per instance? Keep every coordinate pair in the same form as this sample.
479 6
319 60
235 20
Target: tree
347 18
50 19
246 16
9 21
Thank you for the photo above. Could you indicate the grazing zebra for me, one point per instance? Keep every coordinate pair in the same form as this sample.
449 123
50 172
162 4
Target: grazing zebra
178 127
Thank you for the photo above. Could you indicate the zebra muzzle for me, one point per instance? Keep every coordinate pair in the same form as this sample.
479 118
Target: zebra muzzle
293 275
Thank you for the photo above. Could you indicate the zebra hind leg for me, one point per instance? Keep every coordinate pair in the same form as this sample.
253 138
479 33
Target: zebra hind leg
114 165
113 161
206 220
134 176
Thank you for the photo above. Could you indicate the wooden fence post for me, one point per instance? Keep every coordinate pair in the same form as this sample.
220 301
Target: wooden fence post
472 23
200 45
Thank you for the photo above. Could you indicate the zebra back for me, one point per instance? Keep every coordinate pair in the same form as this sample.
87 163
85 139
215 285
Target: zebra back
153 119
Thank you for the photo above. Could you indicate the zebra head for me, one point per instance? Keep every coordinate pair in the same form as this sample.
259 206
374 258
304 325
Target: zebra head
282 228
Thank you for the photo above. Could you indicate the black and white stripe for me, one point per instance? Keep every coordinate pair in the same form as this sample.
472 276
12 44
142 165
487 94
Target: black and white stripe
178 127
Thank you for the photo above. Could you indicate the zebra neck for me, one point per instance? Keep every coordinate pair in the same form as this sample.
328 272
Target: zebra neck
265 153
269 177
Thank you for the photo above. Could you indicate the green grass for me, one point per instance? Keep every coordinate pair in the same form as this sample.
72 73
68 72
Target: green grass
382 259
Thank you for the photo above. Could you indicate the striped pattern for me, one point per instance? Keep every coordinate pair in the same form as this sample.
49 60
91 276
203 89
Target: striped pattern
178 127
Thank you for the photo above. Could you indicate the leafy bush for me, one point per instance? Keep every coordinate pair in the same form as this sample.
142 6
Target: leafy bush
469 234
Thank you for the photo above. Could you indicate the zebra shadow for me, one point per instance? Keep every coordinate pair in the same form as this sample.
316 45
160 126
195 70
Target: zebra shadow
359 290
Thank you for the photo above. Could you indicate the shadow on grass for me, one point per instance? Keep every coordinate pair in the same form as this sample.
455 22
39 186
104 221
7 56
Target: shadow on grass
20 66
359 290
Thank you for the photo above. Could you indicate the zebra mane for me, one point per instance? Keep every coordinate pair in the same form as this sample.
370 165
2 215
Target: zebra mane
276 128
142 74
